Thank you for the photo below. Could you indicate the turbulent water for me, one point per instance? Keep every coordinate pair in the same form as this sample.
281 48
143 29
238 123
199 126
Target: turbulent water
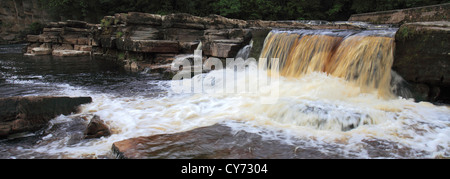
335 113
361 57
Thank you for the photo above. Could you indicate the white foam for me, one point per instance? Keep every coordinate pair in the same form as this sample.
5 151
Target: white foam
313 108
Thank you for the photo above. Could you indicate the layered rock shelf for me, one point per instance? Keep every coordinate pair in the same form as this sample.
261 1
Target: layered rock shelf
70 38
419 14
140 40
422 58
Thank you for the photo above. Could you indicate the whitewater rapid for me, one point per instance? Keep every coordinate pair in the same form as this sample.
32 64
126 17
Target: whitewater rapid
318 108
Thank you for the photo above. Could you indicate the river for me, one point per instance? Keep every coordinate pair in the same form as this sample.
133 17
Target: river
336 117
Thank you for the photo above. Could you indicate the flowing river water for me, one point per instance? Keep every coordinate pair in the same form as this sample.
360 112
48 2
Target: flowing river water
319 101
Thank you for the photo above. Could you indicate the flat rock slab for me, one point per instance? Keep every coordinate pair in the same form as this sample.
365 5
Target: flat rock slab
29 114
41 51
70 53
222 142
213 142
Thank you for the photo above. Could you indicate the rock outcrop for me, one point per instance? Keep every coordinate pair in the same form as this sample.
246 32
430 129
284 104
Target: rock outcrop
16 16
440 12
142 40
69 38
212 142
29 114
422 58
222 142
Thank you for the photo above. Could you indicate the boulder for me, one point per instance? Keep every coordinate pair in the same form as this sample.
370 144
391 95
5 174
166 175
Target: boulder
41 51
222 142
422 53
212 142
96 129
29 114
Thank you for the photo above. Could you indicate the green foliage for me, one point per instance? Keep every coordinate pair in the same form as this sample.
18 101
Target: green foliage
34 28
405 33
121 56
230 8
94 10
105 23
119 34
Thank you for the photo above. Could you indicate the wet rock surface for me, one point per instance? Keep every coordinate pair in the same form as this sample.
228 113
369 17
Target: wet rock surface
29 114
59 133
212 142
96 129
422 59
222 142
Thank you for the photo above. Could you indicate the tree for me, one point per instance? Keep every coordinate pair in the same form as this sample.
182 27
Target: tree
228 8
94 10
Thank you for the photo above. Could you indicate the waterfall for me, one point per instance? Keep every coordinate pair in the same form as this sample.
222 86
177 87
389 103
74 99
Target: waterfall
200 46
245 51
327 101
364 58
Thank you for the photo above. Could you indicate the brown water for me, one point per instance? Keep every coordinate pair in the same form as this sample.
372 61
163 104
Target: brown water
364 58
333 100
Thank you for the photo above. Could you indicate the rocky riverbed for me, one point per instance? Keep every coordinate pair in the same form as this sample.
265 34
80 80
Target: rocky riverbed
102 91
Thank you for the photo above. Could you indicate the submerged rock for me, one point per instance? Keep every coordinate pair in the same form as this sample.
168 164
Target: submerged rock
29 114
96 129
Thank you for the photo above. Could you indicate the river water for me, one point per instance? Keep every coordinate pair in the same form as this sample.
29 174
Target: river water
327 113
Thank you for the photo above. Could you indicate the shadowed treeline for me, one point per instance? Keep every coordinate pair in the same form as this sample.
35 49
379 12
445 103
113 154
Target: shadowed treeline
93 11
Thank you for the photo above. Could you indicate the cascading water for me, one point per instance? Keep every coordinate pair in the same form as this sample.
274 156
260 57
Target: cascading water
334 94
245 51
364 58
